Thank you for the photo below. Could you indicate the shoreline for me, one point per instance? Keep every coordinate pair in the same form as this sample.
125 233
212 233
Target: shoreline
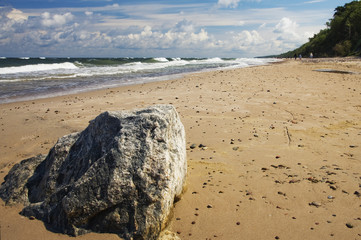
277 136
123 72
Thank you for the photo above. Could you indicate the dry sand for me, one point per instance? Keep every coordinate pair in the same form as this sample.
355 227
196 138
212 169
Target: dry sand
277 138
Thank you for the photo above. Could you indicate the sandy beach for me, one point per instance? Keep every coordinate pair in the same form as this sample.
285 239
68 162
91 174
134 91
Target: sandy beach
280 154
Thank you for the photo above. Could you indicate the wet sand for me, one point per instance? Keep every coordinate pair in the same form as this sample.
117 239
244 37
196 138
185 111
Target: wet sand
280 154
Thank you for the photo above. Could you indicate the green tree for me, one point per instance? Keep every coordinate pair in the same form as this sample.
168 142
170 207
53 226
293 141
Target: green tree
342 37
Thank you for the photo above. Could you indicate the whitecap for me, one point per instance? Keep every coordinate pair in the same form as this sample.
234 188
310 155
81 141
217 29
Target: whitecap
37 68
161 59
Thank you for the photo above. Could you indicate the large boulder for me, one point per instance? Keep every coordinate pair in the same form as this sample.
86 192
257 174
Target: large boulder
120 175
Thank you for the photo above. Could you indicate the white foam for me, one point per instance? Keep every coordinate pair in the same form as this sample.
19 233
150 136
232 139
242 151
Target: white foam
122 74
37 68
214 60
162 59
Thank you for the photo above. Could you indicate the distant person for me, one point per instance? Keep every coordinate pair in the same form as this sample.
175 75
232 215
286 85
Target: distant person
295 56
311 55
300 56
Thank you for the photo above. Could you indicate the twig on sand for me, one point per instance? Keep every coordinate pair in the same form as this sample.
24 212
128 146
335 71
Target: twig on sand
288 137
293 116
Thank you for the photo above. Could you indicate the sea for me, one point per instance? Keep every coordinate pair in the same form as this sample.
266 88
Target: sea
33 78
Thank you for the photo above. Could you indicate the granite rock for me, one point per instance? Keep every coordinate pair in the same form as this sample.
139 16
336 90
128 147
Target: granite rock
120 175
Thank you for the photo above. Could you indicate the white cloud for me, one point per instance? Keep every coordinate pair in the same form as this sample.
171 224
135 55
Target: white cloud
287 30
11 25
17 15
147 32
314 1
200 37
286 25
75 33
181 35
233 3
228 3
156 28
184 26
246 40
56 20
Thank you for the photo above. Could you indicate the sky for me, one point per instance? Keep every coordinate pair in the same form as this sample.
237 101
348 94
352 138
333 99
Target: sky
140 28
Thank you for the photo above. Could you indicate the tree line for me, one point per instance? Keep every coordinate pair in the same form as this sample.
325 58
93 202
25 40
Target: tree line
341 38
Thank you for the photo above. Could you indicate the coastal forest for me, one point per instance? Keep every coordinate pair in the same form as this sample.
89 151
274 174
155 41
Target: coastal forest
341 38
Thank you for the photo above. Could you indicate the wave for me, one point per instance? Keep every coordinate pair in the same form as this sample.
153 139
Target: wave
127 68
162 59
216 59
37 68
53 69
40 76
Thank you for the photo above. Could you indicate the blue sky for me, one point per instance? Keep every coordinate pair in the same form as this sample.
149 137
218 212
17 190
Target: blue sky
139 28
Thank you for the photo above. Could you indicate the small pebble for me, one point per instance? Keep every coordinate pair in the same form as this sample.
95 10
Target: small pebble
316 204
349 225
281 193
